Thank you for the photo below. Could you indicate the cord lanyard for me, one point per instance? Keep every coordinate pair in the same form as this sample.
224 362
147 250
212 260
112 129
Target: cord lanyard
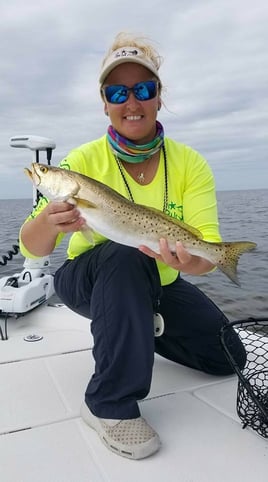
130 195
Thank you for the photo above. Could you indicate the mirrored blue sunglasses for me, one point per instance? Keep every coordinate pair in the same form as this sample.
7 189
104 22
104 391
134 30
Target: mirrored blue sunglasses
118 94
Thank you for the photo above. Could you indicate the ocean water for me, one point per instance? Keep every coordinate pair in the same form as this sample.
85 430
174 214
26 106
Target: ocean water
243 215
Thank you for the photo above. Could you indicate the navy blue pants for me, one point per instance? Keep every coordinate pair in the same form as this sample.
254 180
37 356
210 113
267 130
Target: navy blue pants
118 287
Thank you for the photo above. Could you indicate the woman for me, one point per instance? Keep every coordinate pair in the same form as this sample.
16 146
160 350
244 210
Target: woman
121 288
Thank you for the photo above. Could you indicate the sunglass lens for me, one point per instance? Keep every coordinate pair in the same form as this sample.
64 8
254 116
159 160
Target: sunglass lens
145 90
116 94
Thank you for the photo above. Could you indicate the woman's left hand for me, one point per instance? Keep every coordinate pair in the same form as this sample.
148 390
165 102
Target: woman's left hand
181 260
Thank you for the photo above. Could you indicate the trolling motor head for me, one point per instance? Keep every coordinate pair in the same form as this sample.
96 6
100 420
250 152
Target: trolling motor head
34 143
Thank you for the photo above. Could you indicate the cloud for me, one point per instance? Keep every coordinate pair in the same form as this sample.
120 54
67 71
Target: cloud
214 70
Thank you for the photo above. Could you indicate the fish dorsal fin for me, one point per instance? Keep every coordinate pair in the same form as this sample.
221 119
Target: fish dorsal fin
193 230
180 223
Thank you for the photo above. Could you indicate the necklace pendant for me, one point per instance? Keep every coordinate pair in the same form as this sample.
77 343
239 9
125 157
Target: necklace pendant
141 177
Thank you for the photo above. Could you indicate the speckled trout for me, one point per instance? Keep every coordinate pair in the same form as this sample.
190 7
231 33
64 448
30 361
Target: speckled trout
120 220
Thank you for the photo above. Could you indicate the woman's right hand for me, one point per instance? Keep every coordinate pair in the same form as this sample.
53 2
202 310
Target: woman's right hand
39 235
64 216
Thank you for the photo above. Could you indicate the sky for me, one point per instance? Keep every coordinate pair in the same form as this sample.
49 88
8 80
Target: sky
214 70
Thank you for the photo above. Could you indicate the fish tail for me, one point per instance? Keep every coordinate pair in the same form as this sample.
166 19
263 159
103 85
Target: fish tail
230 255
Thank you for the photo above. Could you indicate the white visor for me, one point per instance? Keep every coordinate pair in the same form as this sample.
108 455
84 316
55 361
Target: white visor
123 55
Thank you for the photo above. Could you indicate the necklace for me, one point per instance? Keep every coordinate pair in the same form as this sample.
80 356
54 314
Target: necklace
141 178
142 175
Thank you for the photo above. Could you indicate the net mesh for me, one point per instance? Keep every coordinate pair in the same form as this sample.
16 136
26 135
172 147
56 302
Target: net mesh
252 390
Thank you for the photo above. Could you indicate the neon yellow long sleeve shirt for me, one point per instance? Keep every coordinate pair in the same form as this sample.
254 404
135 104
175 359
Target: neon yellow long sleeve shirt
191 191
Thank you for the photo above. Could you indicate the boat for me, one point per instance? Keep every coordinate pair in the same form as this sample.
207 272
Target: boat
45 364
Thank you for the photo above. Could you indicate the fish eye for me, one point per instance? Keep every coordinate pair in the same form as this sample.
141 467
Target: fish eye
43 169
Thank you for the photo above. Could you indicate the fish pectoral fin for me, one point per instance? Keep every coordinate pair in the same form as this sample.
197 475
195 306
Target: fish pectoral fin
84 203
71 200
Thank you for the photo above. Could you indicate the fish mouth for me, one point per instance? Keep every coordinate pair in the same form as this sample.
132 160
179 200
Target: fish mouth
28 172
32 174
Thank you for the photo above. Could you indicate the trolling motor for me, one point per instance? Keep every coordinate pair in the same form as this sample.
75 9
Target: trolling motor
24 291
35 144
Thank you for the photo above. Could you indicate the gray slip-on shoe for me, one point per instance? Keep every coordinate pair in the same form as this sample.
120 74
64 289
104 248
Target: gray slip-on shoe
132 438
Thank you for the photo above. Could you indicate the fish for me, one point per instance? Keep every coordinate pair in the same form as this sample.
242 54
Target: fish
117 218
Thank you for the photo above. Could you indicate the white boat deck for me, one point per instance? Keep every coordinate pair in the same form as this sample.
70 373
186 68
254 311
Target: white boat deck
43 438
